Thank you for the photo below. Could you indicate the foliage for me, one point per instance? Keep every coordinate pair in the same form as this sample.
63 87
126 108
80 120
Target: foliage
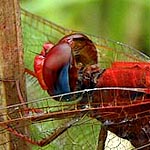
126 21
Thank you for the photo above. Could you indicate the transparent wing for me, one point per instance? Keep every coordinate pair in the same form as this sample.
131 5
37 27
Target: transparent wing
77 125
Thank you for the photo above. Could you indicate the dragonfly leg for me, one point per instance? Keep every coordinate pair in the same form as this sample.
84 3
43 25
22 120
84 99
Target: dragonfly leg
48 139
30 72
57 132
21 98
102 138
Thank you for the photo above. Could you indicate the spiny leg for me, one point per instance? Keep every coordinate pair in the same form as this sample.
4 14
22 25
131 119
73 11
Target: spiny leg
21 98
30 72
102 138
48 139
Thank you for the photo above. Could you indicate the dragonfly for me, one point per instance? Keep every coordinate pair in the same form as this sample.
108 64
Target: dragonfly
84 121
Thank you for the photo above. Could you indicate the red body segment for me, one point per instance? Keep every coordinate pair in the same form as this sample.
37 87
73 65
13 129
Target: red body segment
126 74
131 65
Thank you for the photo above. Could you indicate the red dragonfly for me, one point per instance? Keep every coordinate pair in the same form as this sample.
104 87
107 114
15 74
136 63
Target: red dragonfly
122 106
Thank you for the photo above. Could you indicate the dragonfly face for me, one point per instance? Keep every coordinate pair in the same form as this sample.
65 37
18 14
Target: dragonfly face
59 66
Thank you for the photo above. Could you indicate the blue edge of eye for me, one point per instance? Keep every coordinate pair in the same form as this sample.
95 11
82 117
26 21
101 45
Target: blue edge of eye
63 81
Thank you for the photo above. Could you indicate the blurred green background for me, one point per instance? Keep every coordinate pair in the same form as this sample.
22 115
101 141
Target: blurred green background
126 21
